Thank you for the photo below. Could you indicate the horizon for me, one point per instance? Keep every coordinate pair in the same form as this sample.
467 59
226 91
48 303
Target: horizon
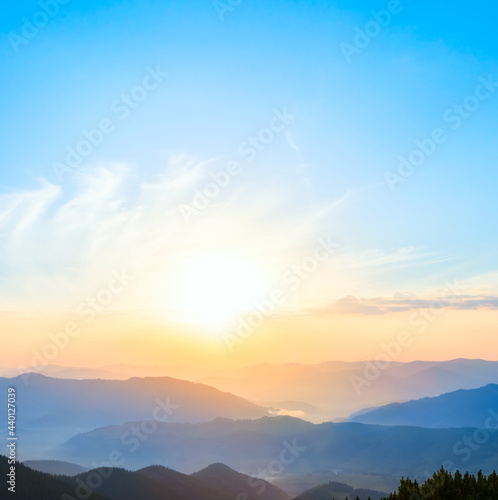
102 367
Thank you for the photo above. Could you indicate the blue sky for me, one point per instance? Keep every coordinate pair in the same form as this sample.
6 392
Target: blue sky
225 79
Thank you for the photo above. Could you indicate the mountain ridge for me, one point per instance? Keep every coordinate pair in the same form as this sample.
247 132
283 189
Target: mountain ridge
460 408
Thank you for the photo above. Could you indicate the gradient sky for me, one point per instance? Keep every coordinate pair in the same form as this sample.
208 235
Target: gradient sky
322 176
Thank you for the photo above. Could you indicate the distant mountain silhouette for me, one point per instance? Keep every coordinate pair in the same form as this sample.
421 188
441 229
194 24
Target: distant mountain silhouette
110 372
463 408
57 371
52 410
330 386
55 467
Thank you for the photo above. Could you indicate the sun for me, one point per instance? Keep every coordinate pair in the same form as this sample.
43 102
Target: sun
214 288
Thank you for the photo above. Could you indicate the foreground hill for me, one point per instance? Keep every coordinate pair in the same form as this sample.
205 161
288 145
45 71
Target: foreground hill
120 484
52 410
250 445
339 491
31 484
463 408
236 484
217 482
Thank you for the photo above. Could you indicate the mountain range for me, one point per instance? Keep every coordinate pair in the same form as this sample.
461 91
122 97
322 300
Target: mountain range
318 392
251 445
51 410
216 482
70 426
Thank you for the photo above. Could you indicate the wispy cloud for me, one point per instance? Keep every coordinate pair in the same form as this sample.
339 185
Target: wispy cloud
60 243
332 206
379 305
62 240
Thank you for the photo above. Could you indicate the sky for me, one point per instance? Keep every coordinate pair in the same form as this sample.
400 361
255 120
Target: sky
219 182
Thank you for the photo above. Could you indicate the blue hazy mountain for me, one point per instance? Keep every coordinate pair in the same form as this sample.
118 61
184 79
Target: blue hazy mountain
250 445
51 410
55 467
463 408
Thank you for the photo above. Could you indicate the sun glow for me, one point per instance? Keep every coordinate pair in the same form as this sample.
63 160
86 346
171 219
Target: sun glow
213 289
